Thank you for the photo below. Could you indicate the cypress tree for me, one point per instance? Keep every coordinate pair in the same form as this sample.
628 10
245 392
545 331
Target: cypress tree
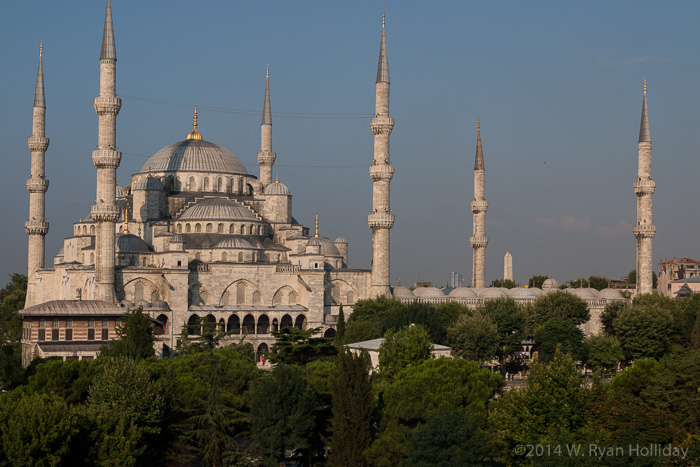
340 327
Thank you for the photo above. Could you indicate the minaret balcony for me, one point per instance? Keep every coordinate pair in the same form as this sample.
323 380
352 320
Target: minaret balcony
34 227
37 185
107 105
478 242
644 230
106 158
644 187
266 157
382 125
38 143
380 221
381 172
479 206
104 212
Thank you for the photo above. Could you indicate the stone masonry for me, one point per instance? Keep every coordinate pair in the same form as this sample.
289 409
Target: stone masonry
479 206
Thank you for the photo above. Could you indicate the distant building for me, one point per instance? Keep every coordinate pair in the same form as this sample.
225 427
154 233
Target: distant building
456 280
372 348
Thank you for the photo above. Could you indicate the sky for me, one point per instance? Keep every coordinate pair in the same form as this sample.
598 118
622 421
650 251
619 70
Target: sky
556 85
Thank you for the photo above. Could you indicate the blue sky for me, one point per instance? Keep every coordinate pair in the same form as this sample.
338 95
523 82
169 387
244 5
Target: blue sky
557 86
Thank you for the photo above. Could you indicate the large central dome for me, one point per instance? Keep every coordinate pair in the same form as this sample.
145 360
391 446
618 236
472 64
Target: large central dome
194 155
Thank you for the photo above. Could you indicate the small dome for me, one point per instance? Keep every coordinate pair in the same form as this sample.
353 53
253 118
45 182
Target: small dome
234 242
522 293
177 238
128 304
340 240
428 292
536 290
550 284
327 247
160 305
194 155
583 293
402 292
129 243
492 292
463 292
277 188
148 183
218 209
120 191
144 304
610 294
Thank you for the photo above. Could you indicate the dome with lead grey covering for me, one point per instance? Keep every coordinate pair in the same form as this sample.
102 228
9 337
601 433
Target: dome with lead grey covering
492 292
463 292
130 243
582 293
235 242
194 155
327 247
428 292
536 290
610 294
277 188
148 183
177 238
401 291
219 209
341 240
550 284
522 292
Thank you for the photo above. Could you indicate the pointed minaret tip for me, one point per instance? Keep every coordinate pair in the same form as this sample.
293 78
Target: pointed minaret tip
644 128
39 99
109 51
479 158
267 109
383 66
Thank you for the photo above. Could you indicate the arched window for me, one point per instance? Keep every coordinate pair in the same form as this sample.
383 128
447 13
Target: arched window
248 324
155 296
178 184
260 354
286 322
248 189
143 262
138 292
251 229
351 298
188 228
223 257
292 298
240 257
275 325
92 230
210 227
278 298
197 228
85 230
242 229
220 229
161 325
222 326
234 324
232 229
194 326
179 228
256 298
192 185
92 258
219 185
230 185
210 323
335 293
263 324
300 322
206 184
240 293
330 333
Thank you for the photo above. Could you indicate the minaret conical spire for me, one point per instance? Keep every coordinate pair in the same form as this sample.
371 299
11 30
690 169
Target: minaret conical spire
267 112
644 130
479 159
39 100
383 66
109 51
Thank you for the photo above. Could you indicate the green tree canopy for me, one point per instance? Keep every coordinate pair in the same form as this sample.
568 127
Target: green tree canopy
510 320
135 337
603 352
598 283
559 334
612 310
506 283
296 347
643 330
536 281
12 298
474 337
562 305
409 345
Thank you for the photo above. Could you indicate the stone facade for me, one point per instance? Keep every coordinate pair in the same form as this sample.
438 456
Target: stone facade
508 267
479 240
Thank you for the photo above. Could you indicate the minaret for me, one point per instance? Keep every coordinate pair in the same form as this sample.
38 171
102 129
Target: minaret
381 220
644 187
508 267
479 207
266 158
37 184
106 159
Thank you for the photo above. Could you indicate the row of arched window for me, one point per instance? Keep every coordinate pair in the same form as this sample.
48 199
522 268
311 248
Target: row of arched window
243 293
222 228
84 230
249 325
233 185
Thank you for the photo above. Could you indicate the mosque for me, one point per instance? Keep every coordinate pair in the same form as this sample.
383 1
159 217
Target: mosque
197 240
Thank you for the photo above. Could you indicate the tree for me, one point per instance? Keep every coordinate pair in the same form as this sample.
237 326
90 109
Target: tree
578 283
474 337
510 320
558 334
536 281
353 405
296 347
643 330
632 278
610 313
506 283
12 298
38 429
561 305
603 353
407 346
282 415
135 337
340 327
598 283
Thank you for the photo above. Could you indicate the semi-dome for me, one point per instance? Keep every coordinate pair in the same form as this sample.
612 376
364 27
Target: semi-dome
234 242
119 191
428 292
130 243
550 284
610 294
194 155
536 290
218 209
148 183
583 293
463 292
277 188
340 240
492 292
177 238
401 291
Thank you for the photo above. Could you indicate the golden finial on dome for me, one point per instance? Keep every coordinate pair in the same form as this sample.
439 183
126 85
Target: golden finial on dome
267 73
194 134
316 235
126 220
645 85
478 124
277 178
41 48
383 18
